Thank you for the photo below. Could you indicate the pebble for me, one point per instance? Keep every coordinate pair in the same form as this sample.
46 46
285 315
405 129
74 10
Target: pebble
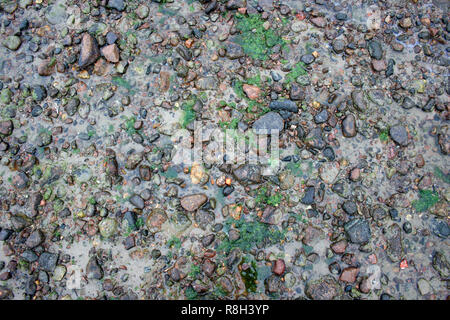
89 52
269 121
399 134
193 202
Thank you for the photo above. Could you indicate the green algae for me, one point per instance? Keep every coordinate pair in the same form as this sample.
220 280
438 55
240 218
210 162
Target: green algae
427 199
255 40
441 175
251 233
188 112
297 71
249 275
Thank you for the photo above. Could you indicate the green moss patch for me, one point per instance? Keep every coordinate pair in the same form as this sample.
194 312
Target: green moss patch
441 175
249 275
251 234
256 41
427 199
297 71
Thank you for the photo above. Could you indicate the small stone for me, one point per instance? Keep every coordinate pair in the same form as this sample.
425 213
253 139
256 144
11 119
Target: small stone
358 231
107 227
59 273
111 53
286 179
137 201
47 67
89 51
142 11
393 237
47 261
408 103
6 127
251 91
209 267
326 288
375 50
424 287
111 37
441 265
339 247
133 160
12 43
21 181
338 46
156 219
359 100
234 51
308 197
193 202
279 267
355 174
349 126
379 65
93 269
307 59
319 22
271 121
349 274
405 23
119 5
350 207
321 117
286 105
399 135
248 174
35 239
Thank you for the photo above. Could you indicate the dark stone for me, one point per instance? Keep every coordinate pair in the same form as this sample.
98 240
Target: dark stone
119 5
269 121
394 243
39 93
321 117
408 103
89 51
35 239
130 218
349 126
358 231
137 201
5 234
29 256
350 207
441 265
286 105
227 190
308 197
307 59
93 269
328 153
234 51
375 50
47 261
111 37
399 135
6 127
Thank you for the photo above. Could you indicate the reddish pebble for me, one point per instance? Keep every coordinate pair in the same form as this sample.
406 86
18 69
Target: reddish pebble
349 274
279 267
339 247
373 258
355 174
